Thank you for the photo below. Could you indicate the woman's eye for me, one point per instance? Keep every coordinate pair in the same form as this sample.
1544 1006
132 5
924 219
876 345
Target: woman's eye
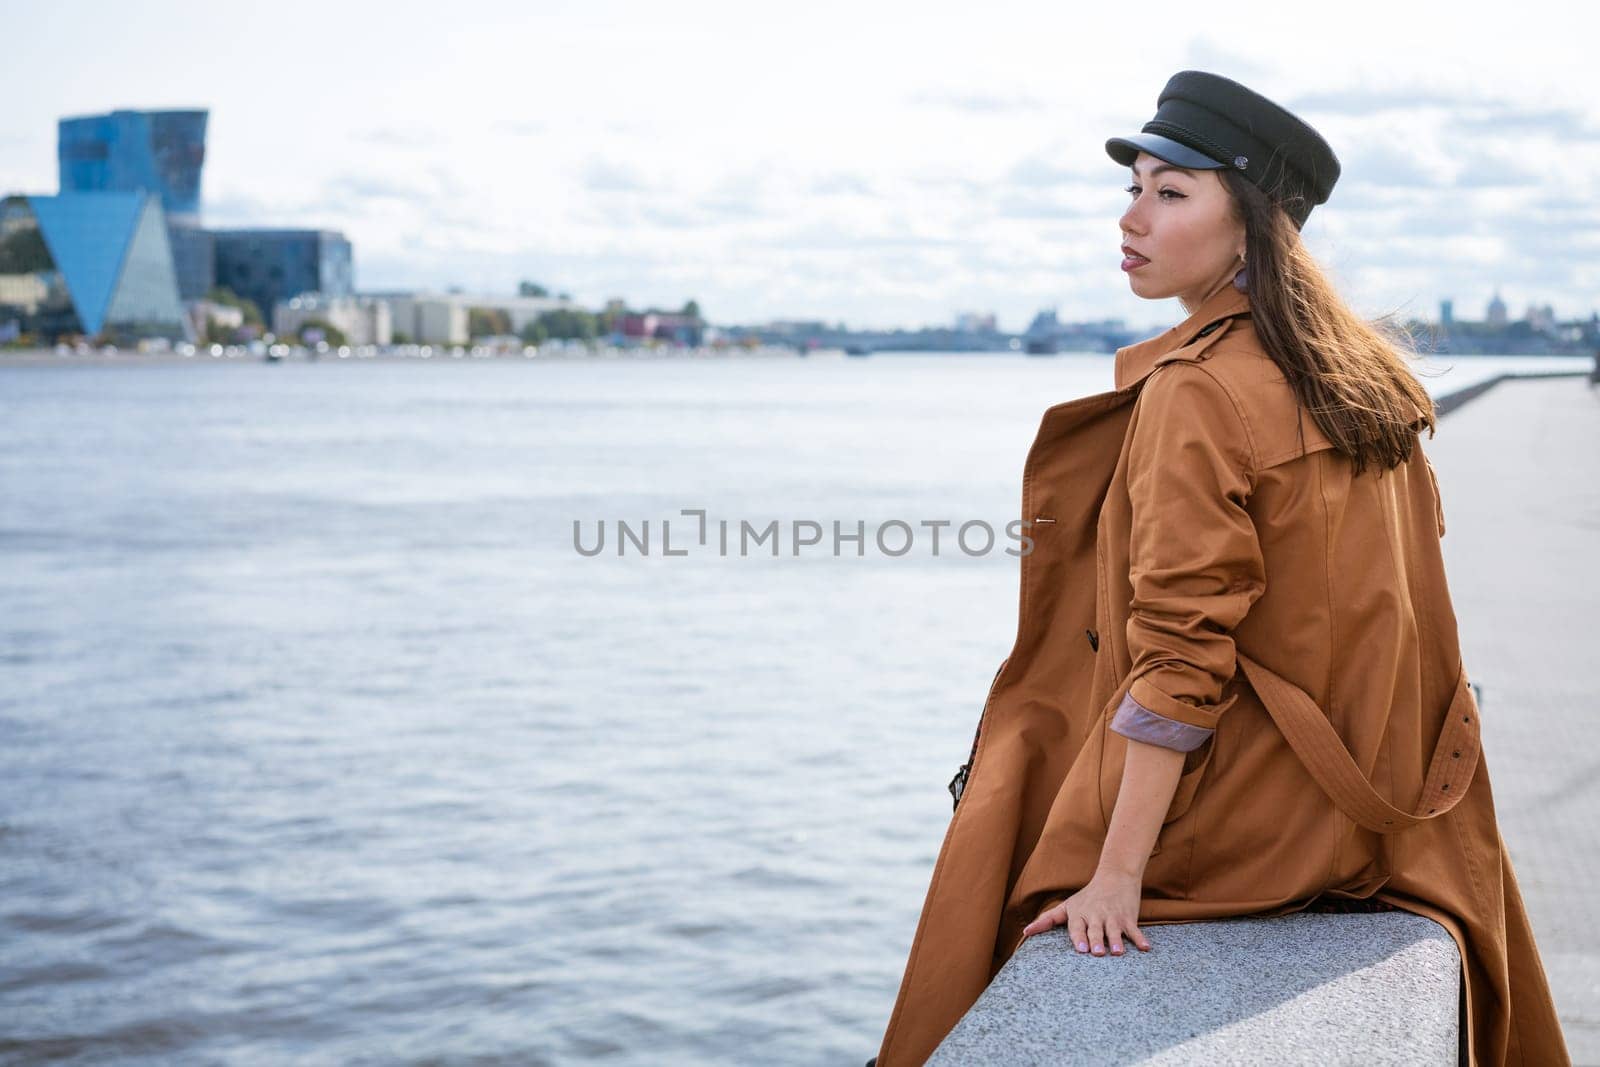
1134 189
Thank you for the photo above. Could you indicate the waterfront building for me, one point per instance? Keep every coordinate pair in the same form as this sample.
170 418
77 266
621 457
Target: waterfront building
96 264
271 266
662 325
162 152
1497 310
426 318
520 311
362 320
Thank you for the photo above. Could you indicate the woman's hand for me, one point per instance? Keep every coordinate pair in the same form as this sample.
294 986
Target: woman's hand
1104 910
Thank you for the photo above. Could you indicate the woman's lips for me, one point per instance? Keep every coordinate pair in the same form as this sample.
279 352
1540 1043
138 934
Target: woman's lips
1133 262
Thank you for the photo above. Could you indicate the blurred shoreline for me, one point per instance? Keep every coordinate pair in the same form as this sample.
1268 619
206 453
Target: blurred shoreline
46 357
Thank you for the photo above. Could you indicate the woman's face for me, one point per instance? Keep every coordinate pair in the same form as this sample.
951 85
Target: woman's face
1181 223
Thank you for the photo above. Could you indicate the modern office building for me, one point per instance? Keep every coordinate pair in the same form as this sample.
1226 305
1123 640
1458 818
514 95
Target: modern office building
122 151
94 264
193 259
270 266
156 151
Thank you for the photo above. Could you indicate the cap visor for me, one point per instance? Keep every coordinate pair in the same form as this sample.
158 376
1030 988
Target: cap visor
1126 149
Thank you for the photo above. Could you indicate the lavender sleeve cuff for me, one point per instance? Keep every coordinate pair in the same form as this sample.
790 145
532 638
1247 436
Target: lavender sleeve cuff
1134 720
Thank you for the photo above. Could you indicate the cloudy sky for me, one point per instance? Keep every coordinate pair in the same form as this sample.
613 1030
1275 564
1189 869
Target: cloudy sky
881 164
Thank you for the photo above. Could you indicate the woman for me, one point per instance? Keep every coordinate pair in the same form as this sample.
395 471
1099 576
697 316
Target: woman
1237 687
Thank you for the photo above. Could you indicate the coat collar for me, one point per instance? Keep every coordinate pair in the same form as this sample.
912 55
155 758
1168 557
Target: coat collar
1135 362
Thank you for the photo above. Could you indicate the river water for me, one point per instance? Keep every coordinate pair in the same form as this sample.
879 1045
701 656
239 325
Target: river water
321 741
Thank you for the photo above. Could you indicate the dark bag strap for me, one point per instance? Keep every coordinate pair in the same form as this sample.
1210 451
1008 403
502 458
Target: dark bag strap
1319 747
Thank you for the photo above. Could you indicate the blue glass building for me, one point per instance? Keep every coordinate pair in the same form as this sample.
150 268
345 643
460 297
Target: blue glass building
123 151
95 264
156 151
266 266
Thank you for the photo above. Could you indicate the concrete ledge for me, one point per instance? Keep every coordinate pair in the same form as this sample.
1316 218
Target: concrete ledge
1367 988
1444 405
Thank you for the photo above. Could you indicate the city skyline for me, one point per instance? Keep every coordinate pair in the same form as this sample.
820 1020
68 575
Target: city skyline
888 169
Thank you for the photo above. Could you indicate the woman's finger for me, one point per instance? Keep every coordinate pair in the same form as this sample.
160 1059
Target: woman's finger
1077 928
1138 937
1114 936
1046 919
1096 931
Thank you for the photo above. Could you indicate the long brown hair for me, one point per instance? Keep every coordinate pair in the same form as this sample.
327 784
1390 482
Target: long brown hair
1352 376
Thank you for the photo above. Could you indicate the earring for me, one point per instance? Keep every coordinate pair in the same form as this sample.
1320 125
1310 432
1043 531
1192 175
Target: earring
1241 280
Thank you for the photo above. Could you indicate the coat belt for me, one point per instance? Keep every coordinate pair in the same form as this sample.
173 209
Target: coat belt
1323 752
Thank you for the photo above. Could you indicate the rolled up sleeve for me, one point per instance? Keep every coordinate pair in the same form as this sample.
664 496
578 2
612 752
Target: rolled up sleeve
1195 561
1139 723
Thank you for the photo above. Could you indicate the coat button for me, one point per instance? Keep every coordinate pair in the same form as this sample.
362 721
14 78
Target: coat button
1094 640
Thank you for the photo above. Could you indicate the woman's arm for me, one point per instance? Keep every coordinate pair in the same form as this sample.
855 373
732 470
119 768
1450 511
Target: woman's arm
1100 914
1149 778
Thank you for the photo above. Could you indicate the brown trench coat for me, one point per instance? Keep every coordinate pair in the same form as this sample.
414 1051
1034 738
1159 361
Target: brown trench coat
1345 761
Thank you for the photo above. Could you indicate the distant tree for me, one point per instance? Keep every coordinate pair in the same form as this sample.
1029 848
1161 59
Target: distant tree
568 325
228 298
487 322
400 337
691 308
532 289
330 333
534 333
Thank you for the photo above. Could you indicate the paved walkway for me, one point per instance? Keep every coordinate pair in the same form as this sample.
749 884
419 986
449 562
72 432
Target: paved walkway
1519 474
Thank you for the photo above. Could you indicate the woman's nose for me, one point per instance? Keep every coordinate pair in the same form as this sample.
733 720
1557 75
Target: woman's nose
1131 221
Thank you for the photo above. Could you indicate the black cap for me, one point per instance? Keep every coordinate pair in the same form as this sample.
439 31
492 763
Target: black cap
1206 122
